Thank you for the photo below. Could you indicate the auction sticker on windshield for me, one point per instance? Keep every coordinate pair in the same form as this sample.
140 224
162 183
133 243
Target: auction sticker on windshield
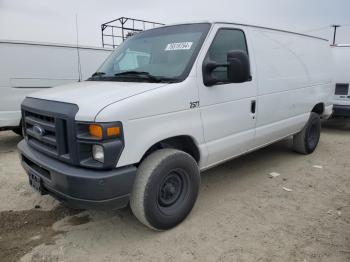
179 46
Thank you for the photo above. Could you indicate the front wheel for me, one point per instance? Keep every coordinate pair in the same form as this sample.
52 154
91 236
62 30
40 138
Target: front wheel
306 141
165 189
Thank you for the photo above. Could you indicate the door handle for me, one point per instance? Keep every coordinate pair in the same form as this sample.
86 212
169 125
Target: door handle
253 107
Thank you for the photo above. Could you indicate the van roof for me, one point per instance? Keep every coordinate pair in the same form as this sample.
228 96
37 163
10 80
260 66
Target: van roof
248 25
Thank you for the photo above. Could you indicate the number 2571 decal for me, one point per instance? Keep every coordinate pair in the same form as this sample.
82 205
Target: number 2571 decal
194 104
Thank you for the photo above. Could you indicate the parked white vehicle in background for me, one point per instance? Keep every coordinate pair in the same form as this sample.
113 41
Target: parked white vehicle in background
199 95
341 56
26 67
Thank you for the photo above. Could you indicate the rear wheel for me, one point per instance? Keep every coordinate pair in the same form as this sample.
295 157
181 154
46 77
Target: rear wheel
165 189
306 141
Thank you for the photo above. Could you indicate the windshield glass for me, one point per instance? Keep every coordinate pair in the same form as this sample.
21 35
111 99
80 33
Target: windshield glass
162 54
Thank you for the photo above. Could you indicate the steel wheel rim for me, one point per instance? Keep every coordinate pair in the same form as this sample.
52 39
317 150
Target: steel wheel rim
180 196
170 189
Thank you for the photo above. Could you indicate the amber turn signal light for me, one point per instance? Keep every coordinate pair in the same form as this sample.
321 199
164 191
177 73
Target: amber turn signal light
96 131
113 131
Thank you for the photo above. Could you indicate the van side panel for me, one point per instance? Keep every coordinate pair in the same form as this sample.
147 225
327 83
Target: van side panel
91 60
30 67
294 75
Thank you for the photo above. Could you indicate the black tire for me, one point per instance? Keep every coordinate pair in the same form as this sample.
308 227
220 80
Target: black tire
165 189
18 130
306 141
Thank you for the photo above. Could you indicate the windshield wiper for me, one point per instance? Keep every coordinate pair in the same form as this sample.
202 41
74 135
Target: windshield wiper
101 76
98 74
139 73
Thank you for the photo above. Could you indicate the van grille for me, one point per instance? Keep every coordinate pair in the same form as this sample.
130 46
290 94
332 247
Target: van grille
50 128
342 89
41 131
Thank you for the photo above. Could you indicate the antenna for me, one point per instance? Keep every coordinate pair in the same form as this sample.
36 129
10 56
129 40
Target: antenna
78 52
335 32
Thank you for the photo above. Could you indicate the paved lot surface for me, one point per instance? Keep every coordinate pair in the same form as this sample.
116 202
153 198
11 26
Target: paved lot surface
241 215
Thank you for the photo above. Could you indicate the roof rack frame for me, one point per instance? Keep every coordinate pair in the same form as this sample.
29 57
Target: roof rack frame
118 30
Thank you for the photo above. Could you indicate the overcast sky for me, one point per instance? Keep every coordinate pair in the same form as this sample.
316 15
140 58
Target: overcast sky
54 20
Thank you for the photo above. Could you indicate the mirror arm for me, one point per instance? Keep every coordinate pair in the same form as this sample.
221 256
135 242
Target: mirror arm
222 65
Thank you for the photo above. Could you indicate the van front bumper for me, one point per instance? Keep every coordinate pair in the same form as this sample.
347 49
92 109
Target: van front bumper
341 110
78 187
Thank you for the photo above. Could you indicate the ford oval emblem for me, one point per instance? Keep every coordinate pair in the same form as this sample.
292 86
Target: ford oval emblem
38 130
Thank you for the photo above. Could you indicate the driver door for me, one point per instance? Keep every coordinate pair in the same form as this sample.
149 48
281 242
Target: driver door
228 110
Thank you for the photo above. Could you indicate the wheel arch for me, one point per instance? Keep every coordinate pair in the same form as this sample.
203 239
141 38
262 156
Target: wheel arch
318 109
184 143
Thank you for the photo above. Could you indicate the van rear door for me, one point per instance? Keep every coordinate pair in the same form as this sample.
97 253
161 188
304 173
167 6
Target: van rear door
342 91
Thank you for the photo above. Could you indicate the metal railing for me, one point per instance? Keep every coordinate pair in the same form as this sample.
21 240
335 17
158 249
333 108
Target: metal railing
116 31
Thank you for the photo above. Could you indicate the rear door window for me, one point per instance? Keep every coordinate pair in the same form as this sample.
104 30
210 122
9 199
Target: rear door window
342 89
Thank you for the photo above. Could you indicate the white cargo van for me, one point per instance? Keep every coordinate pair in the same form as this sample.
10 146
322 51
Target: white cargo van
341 56
199 95
26 67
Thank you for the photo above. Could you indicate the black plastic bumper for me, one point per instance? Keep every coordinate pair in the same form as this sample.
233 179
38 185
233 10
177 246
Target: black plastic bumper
79 187
341 110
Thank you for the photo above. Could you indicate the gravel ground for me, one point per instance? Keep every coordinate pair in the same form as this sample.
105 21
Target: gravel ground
241 214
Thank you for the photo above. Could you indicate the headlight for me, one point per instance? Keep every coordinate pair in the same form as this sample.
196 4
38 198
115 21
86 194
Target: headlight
99 144
98 153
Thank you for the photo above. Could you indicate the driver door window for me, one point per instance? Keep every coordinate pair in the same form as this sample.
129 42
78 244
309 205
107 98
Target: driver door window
225 40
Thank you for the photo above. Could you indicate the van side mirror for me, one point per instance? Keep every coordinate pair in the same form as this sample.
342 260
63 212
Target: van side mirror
208 68
238 70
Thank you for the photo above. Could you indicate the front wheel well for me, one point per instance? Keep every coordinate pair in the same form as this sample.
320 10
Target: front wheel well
318 109
183 143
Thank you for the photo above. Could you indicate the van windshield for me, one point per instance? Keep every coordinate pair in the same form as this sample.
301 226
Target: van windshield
163 54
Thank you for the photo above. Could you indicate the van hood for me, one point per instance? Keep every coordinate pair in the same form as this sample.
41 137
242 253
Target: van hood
92 96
